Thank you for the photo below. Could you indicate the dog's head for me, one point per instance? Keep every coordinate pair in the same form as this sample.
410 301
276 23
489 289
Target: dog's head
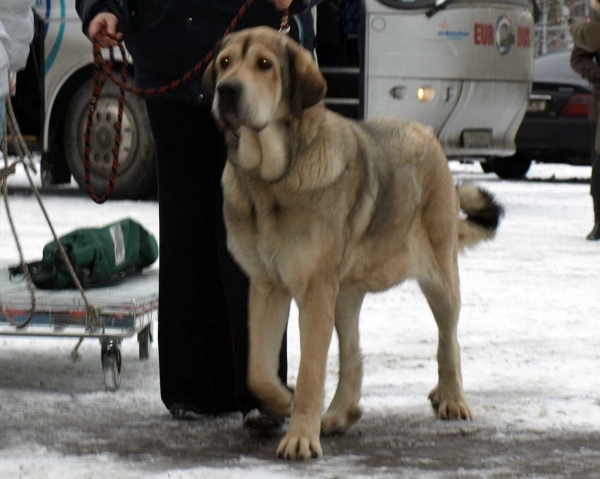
259 76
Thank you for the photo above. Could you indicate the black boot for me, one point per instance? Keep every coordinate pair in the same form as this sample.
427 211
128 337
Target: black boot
595 233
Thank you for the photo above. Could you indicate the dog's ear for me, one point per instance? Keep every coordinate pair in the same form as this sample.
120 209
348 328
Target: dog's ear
209 80
307 85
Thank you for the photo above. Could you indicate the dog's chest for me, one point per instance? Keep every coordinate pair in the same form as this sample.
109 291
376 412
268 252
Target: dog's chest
275 224
286 238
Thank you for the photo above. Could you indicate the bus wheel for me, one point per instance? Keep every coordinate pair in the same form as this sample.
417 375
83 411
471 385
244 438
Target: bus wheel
511 168
486 166
136 176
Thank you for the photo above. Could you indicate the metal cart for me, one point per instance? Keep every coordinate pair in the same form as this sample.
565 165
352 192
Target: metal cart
125 308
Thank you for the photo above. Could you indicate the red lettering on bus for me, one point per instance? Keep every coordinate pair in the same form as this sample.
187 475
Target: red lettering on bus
523 37
483 34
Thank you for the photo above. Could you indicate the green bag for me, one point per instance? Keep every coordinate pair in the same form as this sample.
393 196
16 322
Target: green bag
96 254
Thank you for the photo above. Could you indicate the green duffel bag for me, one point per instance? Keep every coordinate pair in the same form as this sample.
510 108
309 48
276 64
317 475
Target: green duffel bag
96 254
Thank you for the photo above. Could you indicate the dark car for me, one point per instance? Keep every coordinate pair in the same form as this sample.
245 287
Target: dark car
555 128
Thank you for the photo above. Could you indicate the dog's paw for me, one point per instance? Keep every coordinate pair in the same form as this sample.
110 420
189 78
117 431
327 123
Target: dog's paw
338 421
284 404
299 445
449 405
281 406
275 398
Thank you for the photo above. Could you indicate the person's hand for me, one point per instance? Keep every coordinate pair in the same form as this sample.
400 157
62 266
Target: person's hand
281 4
106 22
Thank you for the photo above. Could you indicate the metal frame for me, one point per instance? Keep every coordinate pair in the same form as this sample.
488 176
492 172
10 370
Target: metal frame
125 308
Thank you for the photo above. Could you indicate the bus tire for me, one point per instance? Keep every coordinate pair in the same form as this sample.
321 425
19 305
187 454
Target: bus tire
136 175
511 168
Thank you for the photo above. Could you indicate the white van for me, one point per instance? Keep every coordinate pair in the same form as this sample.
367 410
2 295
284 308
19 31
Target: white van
462 67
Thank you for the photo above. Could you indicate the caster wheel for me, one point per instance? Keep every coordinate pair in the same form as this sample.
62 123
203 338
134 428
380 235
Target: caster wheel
144 340
111 363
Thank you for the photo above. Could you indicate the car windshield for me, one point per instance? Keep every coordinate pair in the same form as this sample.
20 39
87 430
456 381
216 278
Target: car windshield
426 4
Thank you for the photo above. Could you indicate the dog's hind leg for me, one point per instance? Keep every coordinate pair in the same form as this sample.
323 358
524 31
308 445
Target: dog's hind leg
343 410
443 295
269 310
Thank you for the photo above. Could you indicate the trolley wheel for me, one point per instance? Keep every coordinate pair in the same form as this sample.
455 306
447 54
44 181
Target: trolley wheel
111 363
144 340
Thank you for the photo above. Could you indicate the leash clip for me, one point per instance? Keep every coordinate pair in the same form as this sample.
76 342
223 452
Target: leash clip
284 29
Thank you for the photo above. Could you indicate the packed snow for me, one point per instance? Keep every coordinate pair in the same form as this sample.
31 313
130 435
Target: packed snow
529 335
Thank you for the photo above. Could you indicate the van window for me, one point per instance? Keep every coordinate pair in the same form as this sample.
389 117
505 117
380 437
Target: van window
408 4
423 4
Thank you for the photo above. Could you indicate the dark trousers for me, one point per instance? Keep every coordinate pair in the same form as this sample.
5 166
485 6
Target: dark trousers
595 182
202 327
595 179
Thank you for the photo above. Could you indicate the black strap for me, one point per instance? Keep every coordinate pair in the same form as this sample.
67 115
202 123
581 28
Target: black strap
44 274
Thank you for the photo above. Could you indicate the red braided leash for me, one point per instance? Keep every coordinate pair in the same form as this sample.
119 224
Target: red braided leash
103 72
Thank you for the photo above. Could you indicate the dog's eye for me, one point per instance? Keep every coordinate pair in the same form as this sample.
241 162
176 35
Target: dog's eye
224 62
264 64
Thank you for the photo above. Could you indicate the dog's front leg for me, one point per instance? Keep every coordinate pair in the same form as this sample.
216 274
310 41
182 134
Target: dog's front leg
343 410
269 310
317 313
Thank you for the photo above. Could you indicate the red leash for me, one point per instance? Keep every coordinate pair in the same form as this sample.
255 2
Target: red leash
103 71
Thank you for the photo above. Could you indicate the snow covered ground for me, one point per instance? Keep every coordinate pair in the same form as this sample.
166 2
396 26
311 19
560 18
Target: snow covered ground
529 332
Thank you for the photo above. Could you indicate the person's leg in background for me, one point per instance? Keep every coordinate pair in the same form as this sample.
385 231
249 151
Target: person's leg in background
595 183
595 191
195 344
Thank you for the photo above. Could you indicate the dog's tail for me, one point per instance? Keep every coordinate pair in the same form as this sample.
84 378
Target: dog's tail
483 214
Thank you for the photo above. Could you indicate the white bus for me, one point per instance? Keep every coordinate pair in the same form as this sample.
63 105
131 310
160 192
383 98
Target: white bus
464 68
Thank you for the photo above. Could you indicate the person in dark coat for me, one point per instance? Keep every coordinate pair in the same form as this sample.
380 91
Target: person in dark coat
202 330
587 65
585 61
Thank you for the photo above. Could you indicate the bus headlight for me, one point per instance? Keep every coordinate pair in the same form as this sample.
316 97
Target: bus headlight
425 94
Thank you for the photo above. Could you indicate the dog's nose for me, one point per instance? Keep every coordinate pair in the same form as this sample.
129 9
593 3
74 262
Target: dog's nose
229 91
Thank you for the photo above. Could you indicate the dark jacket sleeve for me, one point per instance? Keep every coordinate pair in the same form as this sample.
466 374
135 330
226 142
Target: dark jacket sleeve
583 63
88 9
301 6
